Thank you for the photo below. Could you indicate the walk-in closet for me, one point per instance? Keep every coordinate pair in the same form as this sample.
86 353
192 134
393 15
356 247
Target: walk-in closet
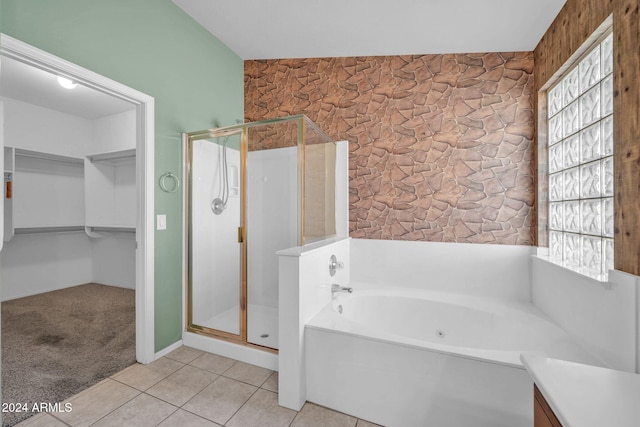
70 217
70 189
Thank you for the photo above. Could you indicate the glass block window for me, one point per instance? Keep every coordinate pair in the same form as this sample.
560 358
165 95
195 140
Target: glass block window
580 151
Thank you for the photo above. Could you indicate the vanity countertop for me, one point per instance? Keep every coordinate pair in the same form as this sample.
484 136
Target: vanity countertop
584 395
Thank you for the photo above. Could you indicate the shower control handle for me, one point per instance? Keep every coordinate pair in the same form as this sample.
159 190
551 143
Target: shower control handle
334 265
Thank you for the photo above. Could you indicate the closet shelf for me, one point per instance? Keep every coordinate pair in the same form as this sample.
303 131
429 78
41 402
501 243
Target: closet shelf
48 229
113 156
48 156
111 228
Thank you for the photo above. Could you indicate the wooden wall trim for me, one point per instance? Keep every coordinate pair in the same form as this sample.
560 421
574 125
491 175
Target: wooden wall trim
566 38
626 134
573 26
551 418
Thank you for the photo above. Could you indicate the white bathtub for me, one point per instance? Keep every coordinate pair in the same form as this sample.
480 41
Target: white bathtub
407 357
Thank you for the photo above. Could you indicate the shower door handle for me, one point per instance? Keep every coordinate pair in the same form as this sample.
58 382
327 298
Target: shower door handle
240 237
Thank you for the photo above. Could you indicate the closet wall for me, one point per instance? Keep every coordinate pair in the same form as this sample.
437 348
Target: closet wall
70 215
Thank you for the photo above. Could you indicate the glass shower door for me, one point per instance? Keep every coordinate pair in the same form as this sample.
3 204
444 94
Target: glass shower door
253 189
215 211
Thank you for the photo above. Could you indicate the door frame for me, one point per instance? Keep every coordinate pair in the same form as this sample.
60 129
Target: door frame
188 141
144 287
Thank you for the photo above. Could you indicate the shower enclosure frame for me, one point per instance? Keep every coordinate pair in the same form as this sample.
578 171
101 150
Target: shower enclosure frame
243 130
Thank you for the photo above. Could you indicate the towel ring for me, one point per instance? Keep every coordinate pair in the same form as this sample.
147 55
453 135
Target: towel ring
173 185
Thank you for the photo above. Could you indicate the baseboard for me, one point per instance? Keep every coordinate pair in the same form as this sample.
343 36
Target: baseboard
38 291
242 353
168 349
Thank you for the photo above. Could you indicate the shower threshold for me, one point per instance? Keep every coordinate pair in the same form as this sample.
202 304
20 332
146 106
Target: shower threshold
262 324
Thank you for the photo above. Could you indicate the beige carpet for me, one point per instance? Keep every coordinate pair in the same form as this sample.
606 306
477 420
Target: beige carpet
59 343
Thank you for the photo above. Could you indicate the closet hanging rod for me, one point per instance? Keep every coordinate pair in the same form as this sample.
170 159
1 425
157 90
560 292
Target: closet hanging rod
127 154
49 229
113 229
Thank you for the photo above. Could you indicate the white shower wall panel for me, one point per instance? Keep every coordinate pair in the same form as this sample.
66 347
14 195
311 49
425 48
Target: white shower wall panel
272 218
600 315
215 260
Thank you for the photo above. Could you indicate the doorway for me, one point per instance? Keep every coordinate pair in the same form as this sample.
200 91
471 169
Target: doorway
77 210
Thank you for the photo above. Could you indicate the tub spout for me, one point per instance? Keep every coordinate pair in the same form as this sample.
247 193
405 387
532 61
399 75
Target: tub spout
337 288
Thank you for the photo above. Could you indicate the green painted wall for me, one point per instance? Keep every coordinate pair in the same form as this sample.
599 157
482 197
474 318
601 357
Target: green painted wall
154 47
0 283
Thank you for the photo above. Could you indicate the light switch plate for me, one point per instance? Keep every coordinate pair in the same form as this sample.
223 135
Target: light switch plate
161 222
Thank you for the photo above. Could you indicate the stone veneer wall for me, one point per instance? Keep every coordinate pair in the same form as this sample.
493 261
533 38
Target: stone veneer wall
440 145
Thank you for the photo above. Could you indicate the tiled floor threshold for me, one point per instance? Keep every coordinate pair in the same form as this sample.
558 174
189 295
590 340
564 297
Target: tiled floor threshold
186 388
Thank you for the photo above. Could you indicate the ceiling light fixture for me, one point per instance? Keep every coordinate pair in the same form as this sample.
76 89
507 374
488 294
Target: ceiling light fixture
66 83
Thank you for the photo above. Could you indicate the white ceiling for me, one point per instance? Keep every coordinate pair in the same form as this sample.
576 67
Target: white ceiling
35 86
271 29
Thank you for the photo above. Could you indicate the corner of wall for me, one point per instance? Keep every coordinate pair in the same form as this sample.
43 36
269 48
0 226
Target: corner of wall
601 317
304 289
637 325
290 393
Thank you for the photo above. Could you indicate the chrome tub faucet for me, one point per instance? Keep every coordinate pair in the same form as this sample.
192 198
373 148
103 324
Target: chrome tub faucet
337 288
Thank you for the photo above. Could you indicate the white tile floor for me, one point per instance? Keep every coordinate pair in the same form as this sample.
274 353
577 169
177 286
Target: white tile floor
189 387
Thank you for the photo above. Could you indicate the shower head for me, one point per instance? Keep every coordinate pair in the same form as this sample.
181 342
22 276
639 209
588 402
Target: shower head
218 206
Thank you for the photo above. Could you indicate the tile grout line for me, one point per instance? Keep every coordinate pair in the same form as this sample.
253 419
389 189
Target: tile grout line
176 408
167 417
241 406
180 407
58 419
197 415
115 409
297 413
222 374
145 393
244 382
219 374
161 379
259 387
227 370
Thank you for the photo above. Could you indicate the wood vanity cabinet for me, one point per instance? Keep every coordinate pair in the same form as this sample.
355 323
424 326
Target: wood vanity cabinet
543 416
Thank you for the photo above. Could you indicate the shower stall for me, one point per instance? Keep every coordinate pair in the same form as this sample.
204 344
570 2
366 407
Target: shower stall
252 189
